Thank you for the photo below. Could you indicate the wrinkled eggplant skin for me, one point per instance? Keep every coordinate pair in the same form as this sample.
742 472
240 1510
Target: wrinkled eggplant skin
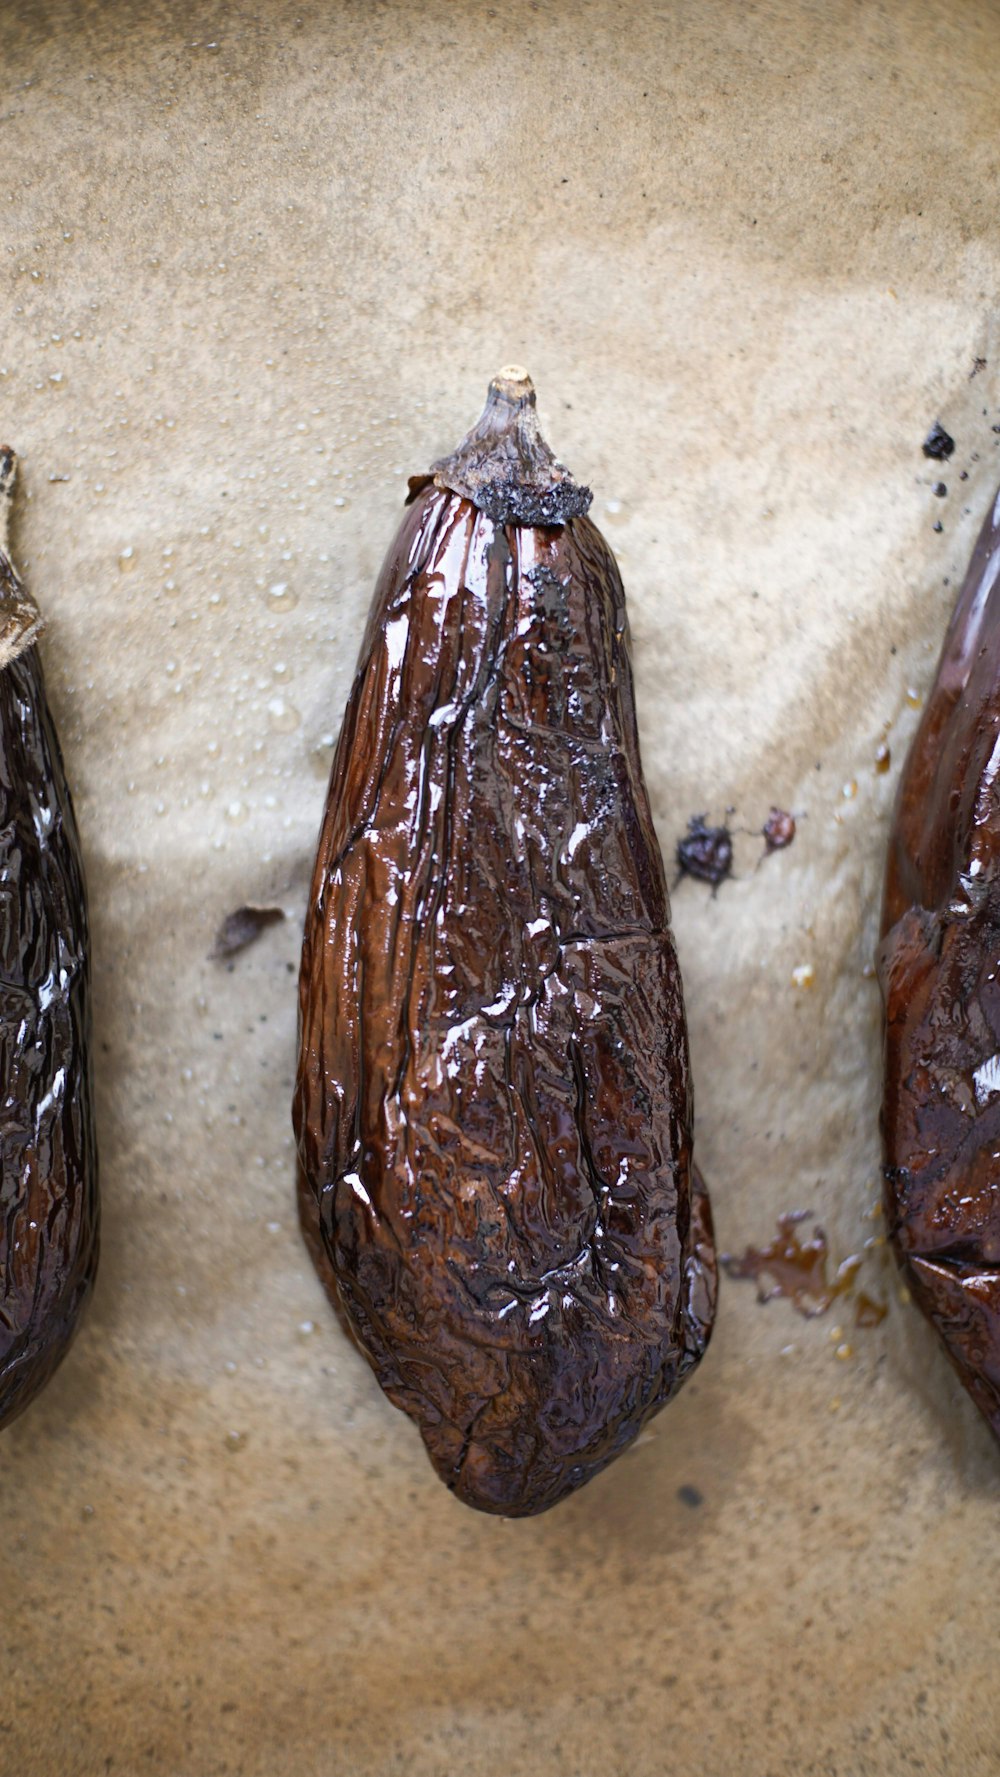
48 1192
939 967
493 1104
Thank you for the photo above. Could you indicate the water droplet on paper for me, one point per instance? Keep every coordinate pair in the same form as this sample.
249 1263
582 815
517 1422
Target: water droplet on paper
283 717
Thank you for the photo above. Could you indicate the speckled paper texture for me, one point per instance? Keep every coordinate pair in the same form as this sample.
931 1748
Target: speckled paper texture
258 265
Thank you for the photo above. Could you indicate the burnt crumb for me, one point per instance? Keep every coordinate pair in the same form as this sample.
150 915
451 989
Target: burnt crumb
705 852
938 444
940 488
939 526
964 475
778 830
241 928
690 1496
978 364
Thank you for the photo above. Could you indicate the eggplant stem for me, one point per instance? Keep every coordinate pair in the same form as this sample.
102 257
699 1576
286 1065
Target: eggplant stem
20 620
504 465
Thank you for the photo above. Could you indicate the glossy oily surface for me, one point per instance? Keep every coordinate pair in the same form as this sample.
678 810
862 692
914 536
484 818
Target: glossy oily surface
48 1185
940 971
494 1106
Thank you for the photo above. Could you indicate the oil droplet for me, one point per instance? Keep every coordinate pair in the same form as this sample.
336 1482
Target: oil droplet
850 789
237 812
844 1352
913 698
280 597
883 758
236 1440
616 511
126 559
283 717
804 975
869 1312
320 758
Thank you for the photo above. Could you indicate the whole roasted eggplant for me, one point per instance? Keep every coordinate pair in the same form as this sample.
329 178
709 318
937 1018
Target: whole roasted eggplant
939 967
493 1104
48 1189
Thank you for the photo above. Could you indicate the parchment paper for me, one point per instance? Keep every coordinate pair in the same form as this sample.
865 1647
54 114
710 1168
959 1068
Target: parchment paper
258 265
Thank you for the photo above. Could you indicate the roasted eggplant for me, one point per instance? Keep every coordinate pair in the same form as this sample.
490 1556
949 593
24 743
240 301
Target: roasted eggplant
493 1103
939 967
48 1192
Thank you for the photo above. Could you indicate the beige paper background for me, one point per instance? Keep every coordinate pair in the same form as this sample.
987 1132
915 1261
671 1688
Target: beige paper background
258 264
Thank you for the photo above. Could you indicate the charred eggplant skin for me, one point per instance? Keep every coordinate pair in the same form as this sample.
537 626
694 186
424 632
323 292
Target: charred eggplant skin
48 1191
493 1102
939 967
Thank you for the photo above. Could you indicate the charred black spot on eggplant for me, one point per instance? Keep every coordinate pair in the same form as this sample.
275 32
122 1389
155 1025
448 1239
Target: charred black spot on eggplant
48 1188
493 1104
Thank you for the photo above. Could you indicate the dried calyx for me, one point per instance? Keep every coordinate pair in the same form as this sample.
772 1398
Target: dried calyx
20 620
505 467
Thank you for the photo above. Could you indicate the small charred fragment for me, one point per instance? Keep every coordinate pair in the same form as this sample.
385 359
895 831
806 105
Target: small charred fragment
48 1187
493 1104
939 968
705 852
242 928
939 444
779 829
